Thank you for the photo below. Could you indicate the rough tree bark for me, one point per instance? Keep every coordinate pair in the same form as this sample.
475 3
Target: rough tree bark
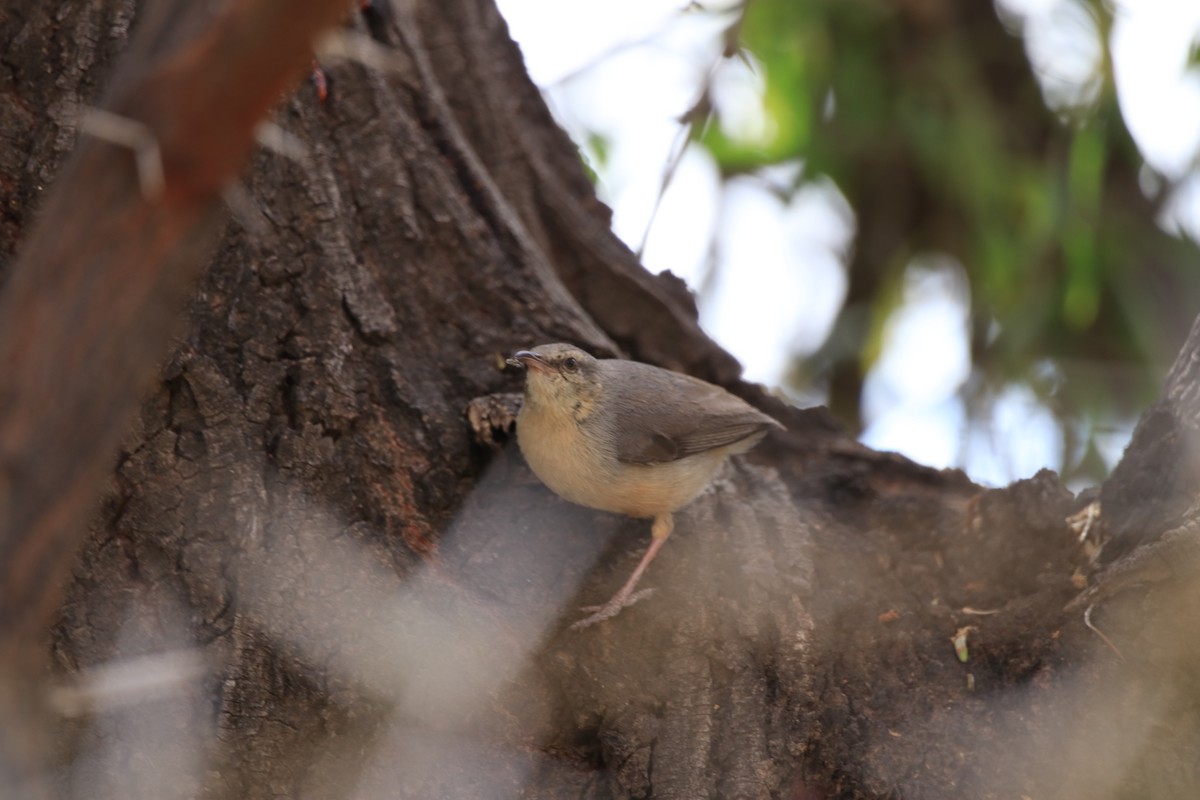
372 602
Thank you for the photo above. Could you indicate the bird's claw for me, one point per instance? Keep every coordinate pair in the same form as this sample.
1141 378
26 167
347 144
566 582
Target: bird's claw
609 610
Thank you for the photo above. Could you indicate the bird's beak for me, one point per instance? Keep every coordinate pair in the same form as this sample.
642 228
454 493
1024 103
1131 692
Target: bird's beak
531 360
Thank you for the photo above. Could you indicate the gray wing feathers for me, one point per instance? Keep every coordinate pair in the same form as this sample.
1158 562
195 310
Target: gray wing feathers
671 416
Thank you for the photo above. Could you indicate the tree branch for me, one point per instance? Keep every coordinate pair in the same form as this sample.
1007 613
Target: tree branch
95 297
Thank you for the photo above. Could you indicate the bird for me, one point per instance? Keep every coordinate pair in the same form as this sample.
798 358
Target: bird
627 437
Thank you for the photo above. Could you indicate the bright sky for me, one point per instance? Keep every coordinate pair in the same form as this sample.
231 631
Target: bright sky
627 69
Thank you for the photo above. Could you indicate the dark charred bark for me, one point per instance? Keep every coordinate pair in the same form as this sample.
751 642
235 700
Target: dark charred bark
371 603
1156 487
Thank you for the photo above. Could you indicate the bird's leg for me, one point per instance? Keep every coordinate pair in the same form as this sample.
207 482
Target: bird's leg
625 596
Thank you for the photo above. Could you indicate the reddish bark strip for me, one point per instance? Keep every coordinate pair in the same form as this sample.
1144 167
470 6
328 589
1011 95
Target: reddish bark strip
93 300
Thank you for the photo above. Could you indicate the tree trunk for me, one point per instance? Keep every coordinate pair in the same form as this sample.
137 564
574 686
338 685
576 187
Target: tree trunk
339 588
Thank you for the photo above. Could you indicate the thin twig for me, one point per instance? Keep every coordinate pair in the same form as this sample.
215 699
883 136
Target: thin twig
277 140
138 137
979 612
341 45
678 148
1087 620
241 205
128 681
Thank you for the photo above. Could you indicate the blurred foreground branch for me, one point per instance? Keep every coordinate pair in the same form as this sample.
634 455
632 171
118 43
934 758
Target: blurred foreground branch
92 302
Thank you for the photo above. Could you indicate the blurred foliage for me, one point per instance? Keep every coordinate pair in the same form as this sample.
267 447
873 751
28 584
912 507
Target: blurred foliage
930 119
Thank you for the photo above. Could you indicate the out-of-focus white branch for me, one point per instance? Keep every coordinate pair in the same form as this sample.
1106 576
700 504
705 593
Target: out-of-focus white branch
128 681
138 137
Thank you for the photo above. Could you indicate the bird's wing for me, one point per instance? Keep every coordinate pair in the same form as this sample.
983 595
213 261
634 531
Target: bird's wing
678 416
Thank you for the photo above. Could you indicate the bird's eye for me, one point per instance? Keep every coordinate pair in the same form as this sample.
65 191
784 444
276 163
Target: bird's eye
571 365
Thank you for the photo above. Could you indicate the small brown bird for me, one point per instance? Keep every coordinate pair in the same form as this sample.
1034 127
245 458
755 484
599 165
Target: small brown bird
627 437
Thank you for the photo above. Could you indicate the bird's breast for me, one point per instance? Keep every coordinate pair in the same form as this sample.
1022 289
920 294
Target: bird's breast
569 459
579 464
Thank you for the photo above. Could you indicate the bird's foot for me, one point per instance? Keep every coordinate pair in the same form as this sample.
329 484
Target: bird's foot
610 609
492 418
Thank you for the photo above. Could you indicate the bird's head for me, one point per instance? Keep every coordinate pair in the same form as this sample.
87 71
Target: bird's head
560 377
